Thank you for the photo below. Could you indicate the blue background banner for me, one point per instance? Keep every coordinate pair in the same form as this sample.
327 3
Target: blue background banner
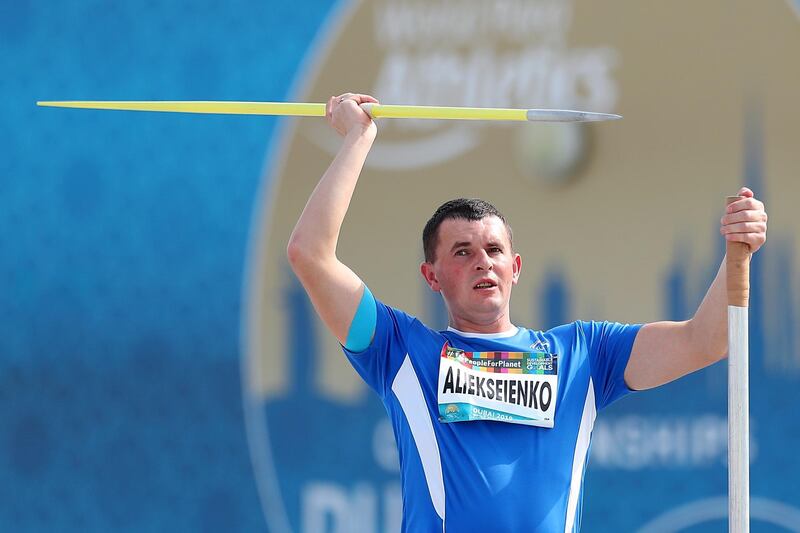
123 243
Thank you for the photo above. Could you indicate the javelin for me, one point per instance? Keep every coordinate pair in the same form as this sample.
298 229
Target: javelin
318 110
737 265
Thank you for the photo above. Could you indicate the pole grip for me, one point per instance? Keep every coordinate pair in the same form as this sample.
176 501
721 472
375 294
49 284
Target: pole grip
737 267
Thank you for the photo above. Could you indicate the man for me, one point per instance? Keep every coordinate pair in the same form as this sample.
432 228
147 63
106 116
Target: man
492 421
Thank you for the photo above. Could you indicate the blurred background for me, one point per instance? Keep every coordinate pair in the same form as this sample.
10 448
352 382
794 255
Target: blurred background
160 368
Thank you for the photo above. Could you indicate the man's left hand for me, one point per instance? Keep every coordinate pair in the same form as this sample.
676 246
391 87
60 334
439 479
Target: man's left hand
745 221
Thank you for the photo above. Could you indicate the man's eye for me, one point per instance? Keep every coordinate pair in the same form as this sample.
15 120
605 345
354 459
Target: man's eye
495 249
461 252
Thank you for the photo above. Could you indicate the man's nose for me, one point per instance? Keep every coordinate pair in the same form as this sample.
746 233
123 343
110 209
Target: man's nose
483 261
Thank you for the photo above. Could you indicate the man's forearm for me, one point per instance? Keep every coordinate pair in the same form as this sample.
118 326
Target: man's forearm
745 221
709 325
317 231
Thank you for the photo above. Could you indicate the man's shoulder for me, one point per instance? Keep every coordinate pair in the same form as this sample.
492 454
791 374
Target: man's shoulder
405 322
566 329
584 327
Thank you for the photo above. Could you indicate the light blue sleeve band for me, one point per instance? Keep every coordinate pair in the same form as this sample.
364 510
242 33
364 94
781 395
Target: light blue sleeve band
362 328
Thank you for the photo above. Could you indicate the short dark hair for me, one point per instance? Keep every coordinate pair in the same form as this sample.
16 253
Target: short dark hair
463 208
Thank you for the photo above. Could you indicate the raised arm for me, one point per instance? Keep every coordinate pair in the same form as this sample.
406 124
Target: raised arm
664 351
334 289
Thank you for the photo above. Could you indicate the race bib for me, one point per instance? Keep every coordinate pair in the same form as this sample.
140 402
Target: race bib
515 387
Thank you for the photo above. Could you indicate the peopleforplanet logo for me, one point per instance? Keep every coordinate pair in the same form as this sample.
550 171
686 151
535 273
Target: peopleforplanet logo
323 451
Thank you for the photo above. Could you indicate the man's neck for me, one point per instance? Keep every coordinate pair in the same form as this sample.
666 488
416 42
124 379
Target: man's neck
510 332
501 325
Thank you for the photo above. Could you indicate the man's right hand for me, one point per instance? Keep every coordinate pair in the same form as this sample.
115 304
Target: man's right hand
345 115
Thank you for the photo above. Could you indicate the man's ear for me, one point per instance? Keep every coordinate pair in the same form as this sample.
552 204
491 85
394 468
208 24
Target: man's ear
517 268
426 269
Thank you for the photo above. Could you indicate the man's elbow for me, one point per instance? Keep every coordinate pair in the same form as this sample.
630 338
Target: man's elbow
294 252
300 255
307 258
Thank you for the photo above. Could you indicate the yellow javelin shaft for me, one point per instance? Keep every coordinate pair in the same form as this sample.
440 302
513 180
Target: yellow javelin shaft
318 110
226 108
458 113
298 109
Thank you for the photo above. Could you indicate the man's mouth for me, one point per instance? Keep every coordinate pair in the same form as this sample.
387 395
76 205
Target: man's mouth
485 285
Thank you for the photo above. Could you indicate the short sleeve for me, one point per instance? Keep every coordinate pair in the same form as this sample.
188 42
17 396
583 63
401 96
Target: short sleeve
609 347
377 364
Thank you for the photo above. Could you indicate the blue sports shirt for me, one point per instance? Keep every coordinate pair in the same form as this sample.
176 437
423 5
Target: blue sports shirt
479 476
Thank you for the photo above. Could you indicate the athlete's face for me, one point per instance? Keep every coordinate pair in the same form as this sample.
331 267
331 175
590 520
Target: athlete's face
474 269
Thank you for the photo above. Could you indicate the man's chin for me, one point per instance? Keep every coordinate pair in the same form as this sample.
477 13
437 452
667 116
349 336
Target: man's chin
488 310
489 300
